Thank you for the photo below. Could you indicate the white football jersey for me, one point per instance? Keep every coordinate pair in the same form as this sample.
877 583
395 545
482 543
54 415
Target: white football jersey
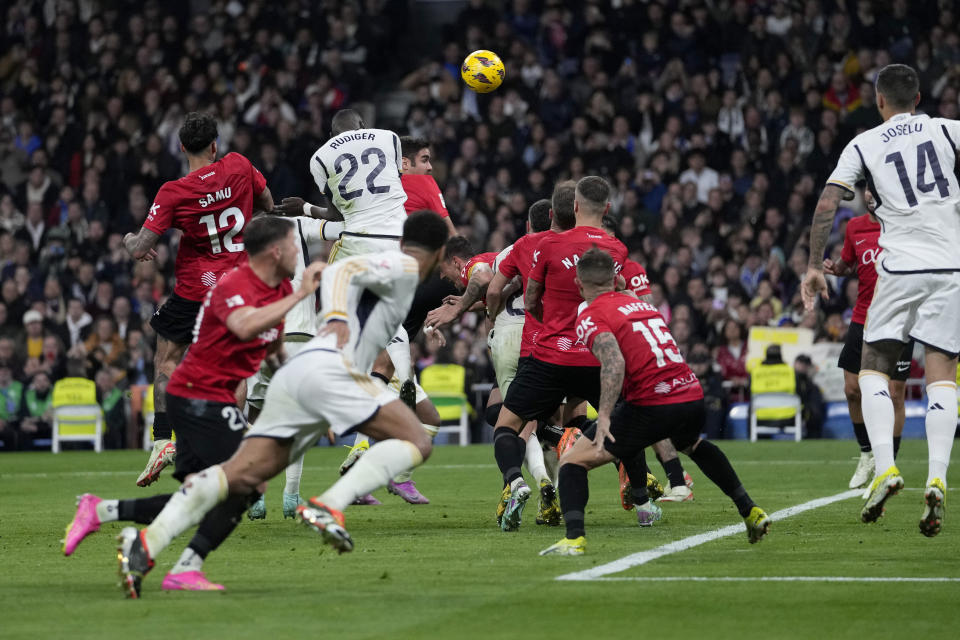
908 163
513 311
373 294
359 171
302 318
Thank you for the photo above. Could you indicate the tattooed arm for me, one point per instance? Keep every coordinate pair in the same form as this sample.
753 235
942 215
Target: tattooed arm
476 288
814 284
607 351
141 245
532 297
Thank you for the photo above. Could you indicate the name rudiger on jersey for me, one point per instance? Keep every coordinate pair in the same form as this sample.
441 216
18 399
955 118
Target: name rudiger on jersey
347 137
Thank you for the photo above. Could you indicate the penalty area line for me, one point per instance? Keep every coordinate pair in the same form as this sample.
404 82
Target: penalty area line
643 557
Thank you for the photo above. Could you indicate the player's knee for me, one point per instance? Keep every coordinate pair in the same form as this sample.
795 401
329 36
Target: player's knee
424 445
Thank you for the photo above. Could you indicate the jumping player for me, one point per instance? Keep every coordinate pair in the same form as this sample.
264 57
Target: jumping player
860 254
240 321
661 398
212 206
906 162
365 299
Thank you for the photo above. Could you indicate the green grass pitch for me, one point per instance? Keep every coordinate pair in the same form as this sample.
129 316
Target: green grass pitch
445 571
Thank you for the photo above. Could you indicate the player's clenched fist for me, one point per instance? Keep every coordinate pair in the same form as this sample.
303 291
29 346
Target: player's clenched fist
289 207
311 278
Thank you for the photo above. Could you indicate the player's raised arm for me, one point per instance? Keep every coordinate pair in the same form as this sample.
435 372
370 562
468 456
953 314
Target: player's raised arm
814 284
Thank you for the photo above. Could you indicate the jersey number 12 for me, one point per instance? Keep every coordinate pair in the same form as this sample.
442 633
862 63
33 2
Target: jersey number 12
213 230
926 154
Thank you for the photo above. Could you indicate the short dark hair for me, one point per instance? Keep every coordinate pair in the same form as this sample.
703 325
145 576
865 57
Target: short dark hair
595 190
609 224
345 120
425 229
539 215
198 130
410 146
263 231
596 267
899 85
562 205
458 247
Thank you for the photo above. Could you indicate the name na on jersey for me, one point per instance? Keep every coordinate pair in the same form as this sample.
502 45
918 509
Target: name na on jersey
570 262
347 137
906 129
219 194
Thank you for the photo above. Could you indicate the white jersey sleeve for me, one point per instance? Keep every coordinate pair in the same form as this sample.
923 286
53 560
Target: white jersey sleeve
908 164
359 171
302 318
372 294
513 310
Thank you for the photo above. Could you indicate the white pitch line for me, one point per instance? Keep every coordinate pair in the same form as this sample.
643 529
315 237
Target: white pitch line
643 557
771 579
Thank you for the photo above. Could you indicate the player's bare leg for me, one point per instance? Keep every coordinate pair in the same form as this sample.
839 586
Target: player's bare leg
941 423
167 357
877 365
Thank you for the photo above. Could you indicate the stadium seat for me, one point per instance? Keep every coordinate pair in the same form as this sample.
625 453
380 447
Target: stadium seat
444 384
784 401
147 412
76 415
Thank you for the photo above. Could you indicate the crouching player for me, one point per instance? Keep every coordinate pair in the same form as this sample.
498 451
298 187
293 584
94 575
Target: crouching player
661 399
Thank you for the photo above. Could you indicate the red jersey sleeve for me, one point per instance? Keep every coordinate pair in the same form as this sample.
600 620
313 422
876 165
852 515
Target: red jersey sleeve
590 324
434 198
160 215
848 254
508 266
636 278
226 298
541 255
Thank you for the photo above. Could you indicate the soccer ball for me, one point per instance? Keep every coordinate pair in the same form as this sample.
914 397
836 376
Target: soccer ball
482 70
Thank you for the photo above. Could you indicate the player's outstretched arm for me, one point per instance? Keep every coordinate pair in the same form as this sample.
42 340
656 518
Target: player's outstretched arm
263 201
607 351
814 284
532 298
446 313
141 245
248 322
300 207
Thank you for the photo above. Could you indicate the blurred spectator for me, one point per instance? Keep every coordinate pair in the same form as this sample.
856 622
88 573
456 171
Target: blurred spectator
36 414
111 400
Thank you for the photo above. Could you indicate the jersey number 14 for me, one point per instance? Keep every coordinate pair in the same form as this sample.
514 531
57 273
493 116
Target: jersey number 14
926 154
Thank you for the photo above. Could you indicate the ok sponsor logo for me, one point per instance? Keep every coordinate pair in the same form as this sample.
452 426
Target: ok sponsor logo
585 328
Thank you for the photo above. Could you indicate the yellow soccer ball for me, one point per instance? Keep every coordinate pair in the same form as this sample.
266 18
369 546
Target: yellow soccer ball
482 70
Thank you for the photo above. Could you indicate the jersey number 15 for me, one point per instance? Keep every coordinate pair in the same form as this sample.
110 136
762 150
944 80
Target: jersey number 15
657 335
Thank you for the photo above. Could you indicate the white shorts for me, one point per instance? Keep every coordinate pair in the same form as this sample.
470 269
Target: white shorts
314 391
921 306
349 246
504 343
257 383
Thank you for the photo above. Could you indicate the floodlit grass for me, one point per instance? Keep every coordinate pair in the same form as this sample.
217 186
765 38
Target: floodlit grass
445 571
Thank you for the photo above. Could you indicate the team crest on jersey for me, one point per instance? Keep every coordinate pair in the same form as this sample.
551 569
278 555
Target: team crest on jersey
208 278
564 343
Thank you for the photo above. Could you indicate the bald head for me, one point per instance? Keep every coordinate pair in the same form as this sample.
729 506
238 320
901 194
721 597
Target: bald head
345 120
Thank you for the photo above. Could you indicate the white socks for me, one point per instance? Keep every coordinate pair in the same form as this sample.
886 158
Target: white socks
189 560
108 510
373 470
878 416
941 424
200 493
294 473
533 459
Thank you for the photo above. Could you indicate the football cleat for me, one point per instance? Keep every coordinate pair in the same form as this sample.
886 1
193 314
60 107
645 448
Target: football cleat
189 581
356 451
258 510
934 496
408 394
687 480
502 504
654 488
327 522
648 513
548 512
84 522
133 560
626 489
408 491
567 547
864 471
568 439
677 494
514 509
758 524
887 484
367 500
290 504
164 454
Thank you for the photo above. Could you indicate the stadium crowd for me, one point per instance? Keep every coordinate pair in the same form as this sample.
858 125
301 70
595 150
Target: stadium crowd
717 123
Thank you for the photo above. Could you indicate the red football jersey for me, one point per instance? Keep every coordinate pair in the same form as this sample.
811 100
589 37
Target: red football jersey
555 266
519 262
654 371
423 192
212 207
860 247
636 277
218 360
467 269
